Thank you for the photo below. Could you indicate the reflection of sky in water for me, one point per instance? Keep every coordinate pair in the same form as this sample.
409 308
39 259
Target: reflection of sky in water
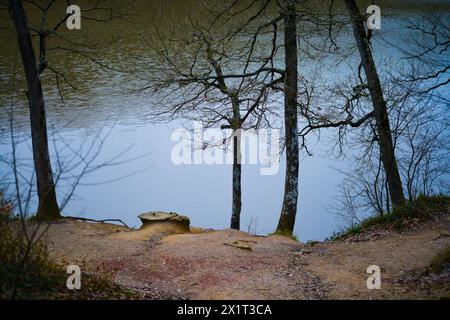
200 191
203 192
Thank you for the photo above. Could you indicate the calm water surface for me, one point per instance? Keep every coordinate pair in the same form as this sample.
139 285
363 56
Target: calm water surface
104 101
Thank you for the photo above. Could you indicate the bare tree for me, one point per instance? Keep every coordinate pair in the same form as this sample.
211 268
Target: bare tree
419 129
415 108
380 112
48 205
222 81
283 15
48 208
420 133
425 161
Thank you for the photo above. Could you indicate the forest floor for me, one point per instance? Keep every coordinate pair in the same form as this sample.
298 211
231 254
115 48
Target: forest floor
201 266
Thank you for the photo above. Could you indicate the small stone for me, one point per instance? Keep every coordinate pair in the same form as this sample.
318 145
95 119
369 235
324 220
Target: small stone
239 244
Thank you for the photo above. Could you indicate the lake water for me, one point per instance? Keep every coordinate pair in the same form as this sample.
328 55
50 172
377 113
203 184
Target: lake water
104 103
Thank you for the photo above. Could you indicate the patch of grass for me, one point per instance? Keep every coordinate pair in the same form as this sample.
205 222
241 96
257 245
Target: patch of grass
421 209
285 234
440 261
312 242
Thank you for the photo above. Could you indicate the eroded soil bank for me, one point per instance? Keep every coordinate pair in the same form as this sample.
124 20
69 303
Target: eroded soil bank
201 266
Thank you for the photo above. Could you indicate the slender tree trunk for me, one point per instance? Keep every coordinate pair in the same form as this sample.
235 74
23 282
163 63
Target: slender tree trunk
237 199
387 151
237 167
287 217
48 206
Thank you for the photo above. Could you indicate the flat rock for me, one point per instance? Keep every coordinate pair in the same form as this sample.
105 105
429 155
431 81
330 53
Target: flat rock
240 244
166 222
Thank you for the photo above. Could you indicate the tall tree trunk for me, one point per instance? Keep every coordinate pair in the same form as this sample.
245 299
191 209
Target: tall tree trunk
48 206
287 217
387 151
237 167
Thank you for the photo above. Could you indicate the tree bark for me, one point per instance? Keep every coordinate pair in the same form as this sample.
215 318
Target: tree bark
237 167
287 217
48 208
387 151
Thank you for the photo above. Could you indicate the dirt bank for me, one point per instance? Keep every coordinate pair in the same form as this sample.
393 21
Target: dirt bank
202 266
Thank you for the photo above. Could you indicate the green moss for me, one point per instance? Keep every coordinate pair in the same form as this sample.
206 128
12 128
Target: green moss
421 209
440 261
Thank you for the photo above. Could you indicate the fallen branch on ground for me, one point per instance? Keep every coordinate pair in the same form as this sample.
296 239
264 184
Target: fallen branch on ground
98 221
